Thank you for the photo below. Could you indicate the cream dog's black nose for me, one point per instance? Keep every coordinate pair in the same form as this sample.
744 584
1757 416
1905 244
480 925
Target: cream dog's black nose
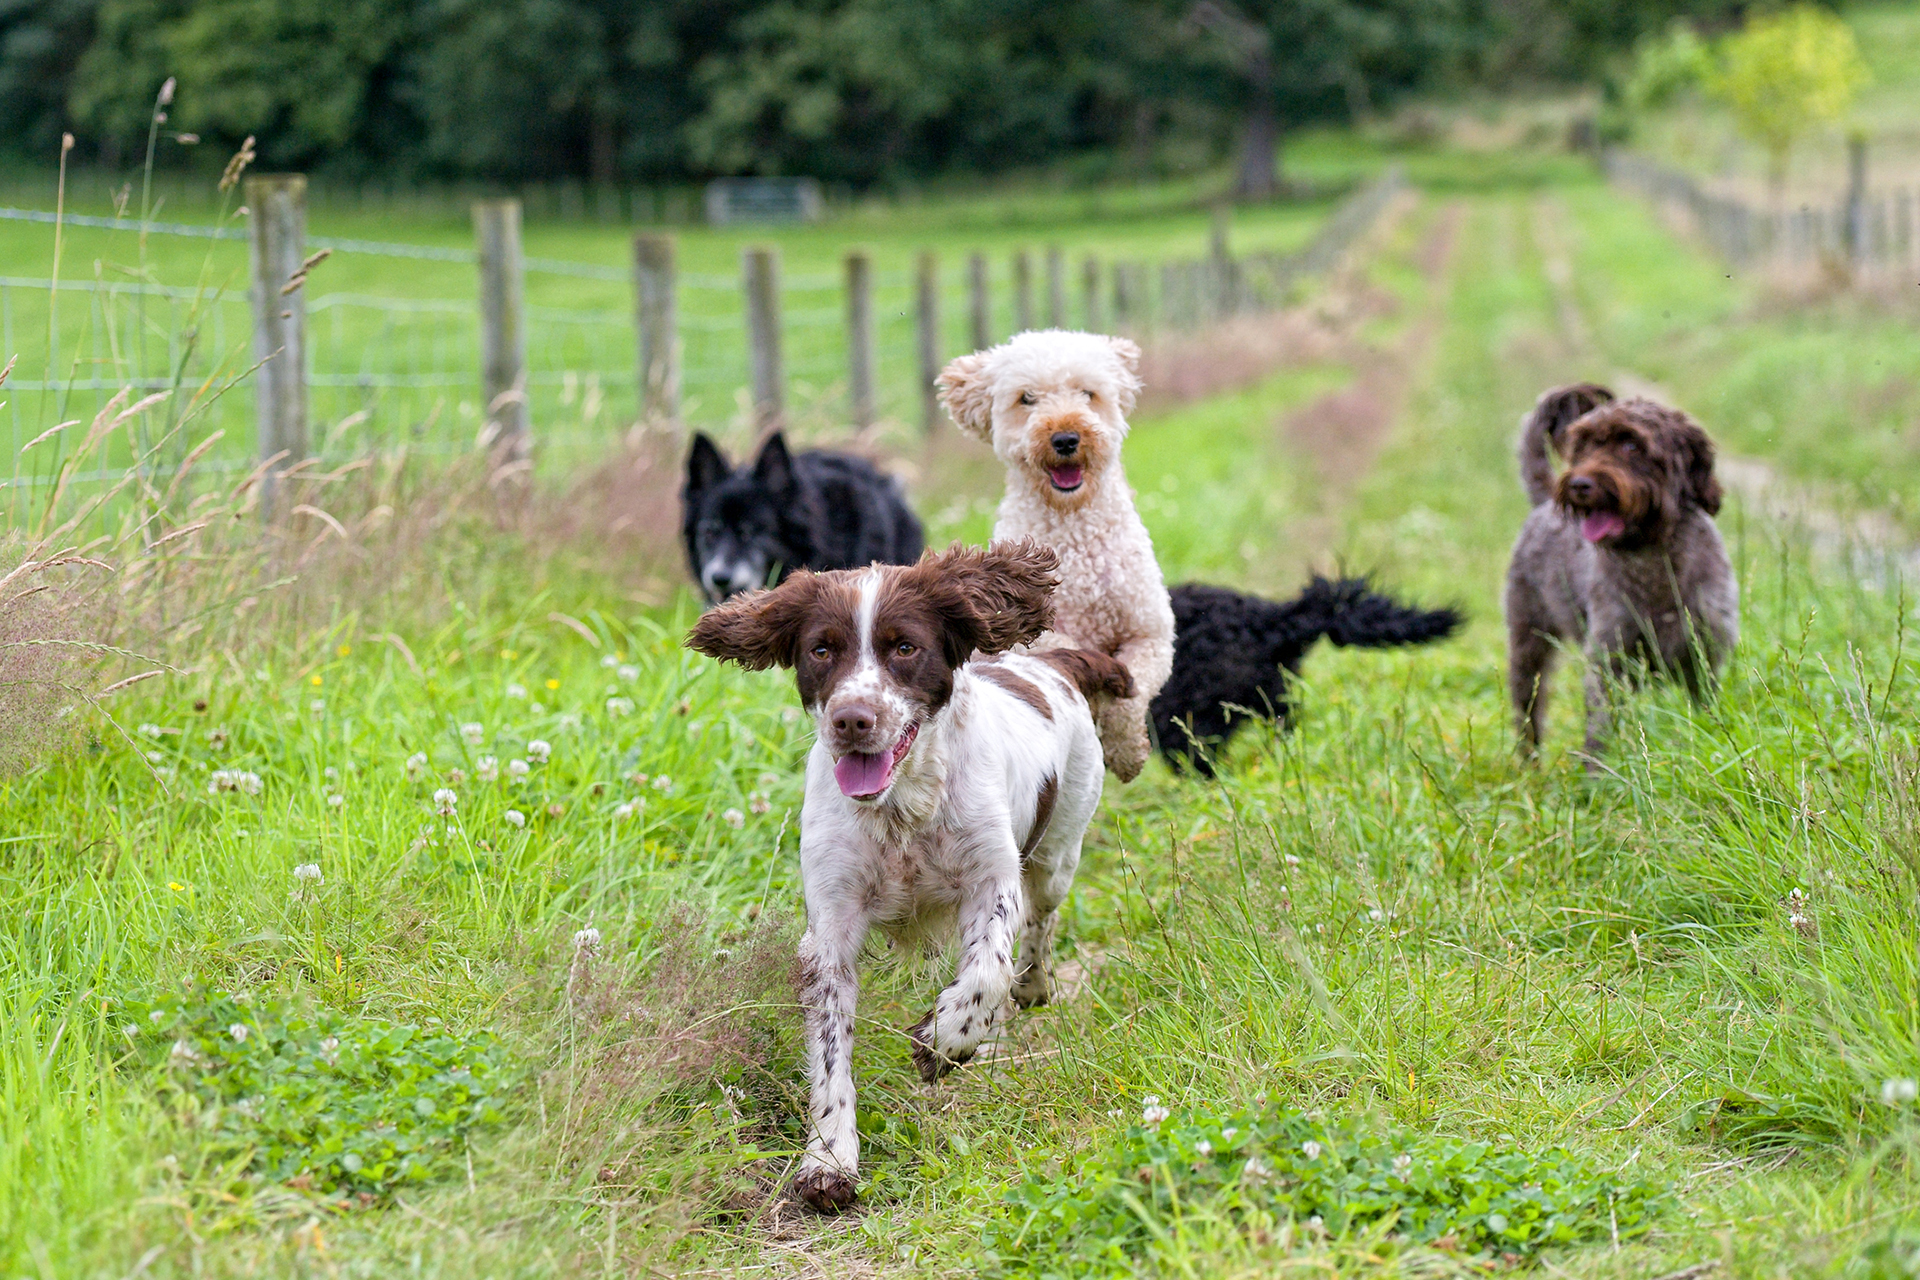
1065 442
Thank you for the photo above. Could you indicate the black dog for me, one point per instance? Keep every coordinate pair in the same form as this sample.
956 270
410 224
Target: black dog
1235 653
811 510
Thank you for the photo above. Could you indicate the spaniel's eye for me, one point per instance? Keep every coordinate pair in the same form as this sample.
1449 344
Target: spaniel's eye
1027 397
821 652
906 648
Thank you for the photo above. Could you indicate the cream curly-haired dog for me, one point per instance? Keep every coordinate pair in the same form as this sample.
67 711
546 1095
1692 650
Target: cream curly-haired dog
1054 406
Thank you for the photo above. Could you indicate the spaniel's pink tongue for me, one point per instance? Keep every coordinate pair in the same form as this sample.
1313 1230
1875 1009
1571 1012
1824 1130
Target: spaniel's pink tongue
1066 477
860 774
1601 524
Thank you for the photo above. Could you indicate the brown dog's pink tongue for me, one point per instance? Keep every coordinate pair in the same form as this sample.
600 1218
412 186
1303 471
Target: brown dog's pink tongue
1601 524
862 774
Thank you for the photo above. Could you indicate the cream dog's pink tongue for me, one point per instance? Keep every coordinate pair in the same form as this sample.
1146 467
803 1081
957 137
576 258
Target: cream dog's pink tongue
1601 524
860 773
1066 477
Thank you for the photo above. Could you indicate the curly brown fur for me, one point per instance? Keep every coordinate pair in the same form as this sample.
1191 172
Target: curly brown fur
1619 556
1541 429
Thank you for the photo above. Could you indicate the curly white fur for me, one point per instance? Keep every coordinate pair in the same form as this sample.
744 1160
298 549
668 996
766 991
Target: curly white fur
1021 397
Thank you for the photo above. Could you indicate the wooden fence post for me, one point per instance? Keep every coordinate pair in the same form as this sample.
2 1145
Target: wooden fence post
760 271
1123 300
860 339
277 232
927 288
979 305
659 340
1854 232
1090 293
503 326
1022 291
1056 289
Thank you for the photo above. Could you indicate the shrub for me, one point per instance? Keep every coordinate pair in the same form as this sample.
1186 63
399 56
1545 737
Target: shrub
332 1102
1249 1172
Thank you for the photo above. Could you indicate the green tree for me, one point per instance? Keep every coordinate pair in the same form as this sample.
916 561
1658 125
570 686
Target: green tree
1786 73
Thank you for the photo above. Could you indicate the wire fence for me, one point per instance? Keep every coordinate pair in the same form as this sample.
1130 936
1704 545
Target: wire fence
1871 229
383 370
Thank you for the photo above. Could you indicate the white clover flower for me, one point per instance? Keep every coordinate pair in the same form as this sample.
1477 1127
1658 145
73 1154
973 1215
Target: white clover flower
148 730
309 871
789 714
734 818
1375 915
1256 1169
515 818
217 739
155 757
416 766
1151 1112
628 672
759 803
1228 1132
318 706
1898 1090
184 1054
569 720
516 691
156 1015
769 779
536 709
587 939
456 776
517 769
330 773
619 706
628 808
245 781
608 662
1292 860
1203 1147
663 783
539 751
239 1032
444 802
473 734
1402 1166
335 800
1312 1149
486 769
330 1050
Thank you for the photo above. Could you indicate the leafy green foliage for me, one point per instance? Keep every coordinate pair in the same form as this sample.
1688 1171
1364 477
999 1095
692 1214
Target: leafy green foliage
332 1101
1784 73
1252 1171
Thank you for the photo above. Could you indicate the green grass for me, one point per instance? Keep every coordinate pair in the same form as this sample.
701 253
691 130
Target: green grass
1379 922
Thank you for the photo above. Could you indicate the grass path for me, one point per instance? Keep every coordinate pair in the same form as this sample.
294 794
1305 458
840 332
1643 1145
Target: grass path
1380 919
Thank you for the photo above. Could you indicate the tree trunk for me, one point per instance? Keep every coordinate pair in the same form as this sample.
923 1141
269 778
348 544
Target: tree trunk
1260 142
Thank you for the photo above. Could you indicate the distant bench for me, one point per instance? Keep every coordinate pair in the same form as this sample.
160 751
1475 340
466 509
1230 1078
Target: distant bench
762 200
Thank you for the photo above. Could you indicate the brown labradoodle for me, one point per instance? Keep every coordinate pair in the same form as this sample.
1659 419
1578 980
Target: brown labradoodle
1620 555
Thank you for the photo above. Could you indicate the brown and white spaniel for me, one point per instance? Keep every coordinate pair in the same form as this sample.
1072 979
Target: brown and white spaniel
948 790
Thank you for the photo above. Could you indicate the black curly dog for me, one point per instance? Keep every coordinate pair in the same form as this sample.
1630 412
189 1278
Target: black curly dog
1233 655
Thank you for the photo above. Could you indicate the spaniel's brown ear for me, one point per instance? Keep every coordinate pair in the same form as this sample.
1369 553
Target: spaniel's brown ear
989 598
760 629
1696 454
967 392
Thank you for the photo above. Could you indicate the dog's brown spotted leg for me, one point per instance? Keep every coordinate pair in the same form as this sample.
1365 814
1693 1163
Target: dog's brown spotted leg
968 1007
829 991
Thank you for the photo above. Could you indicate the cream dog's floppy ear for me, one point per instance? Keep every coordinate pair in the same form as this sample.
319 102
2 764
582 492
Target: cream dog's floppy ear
1129 381
967 393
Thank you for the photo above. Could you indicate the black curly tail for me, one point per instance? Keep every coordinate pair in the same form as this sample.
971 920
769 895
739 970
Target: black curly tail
1233 654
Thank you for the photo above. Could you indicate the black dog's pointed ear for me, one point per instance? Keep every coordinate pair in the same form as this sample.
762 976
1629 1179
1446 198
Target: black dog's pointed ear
706 465
774 467
759 629
1696 449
